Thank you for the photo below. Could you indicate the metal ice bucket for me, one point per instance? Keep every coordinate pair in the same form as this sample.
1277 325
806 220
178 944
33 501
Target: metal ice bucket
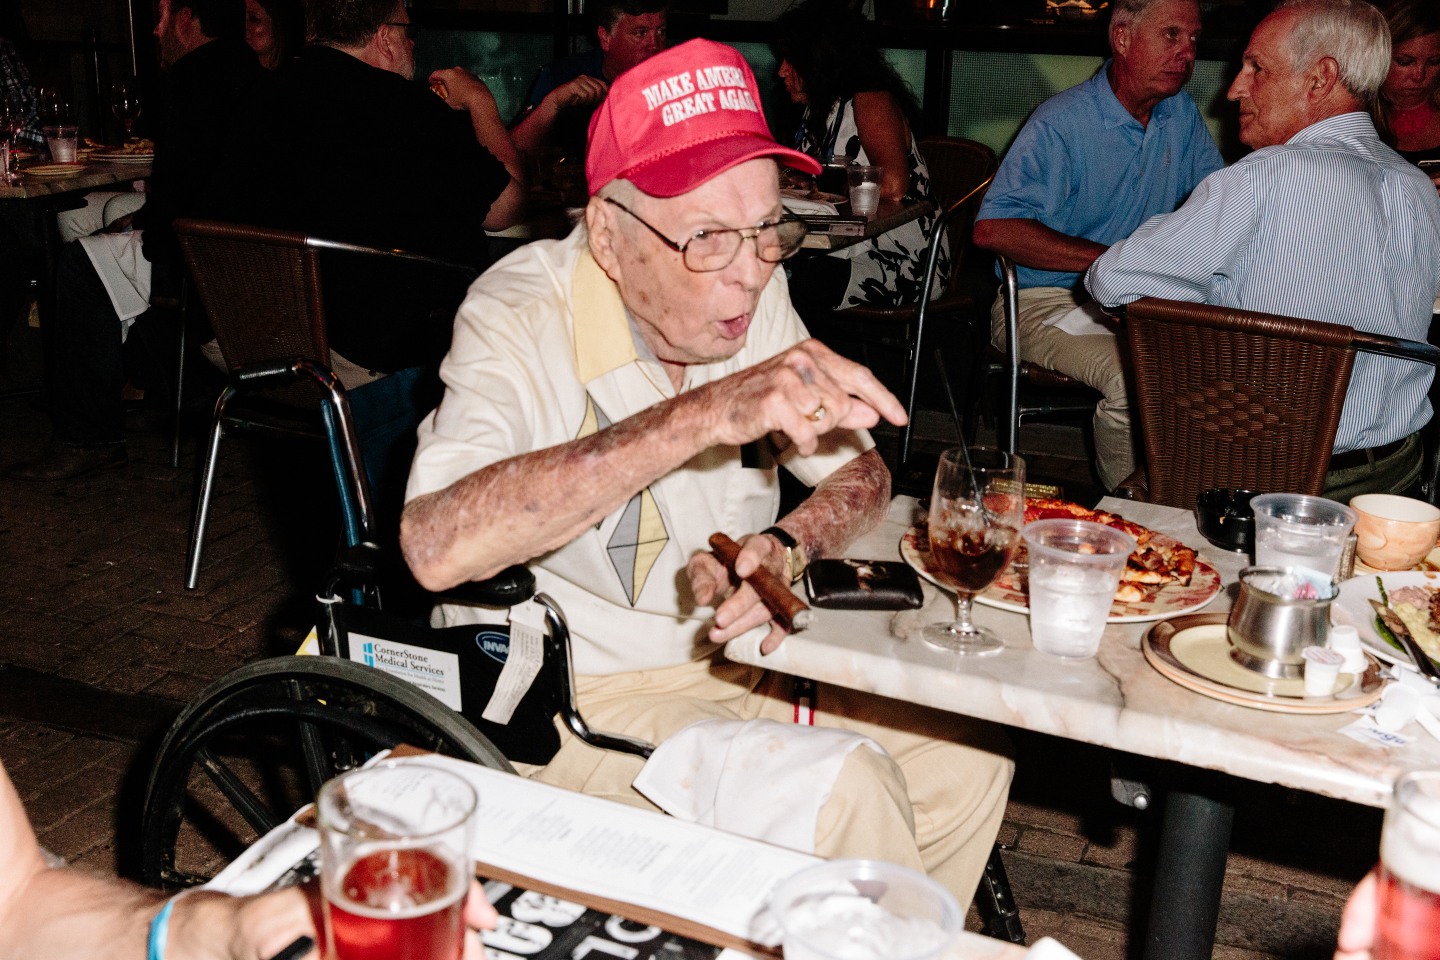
1268 631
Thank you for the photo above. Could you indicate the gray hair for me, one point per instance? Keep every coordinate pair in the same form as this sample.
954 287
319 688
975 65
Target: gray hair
1352 32
1125 12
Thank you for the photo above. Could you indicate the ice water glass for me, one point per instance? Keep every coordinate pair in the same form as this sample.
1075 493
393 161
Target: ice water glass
865 910
1408 927
864 182
395 862
1075 566
1295 530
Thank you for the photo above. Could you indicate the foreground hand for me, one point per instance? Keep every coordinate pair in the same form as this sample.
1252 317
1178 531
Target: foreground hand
583 91
464 88
803 393
741 609
1357 923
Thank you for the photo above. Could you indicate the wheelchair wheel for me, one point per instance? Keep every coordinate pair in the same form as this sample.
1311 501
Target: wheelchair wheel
259 743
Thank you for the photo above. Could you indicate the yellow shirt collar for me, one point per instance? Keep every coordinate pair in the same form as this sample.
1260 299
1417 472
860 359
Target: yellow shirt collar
603 338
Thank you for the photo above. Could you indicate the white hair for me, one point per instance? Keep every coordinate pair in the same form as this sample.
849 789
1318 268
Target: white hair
1352 32
1126 12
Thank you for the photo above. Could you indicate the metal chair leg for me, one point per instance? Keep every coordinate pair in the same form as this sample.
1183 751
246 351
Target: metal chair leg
207 487
179 374
1000 917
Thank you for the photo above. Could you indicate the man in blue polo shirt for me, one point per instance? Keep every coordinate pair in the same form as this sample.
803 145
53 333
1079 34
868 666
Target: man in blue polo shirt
1091 165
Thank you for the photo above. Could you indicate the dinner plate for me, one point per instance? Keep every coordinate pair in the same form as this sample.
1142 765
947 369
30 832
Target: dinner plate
1195 653
1008 590
121 156
1353 607
55 171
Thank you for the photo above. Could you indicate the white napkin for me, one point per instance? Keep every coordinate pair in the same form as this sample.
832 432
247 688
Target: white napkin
1082 321
1048 949
758 778
801 206
123 270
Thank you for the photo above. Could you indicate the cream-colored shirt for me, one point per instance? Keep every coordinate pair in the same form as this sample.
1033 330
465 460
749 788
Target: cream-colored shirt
544 353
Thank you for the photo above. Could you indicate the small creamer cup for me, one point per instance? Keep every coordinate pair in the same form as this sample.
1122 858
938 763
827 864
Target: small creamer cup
1075 566
865 910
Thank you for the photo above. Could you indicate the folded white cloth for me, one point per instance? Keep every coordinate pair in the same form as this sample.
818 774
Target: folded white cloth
1047 949
123 270
1083 321
758 778
802 207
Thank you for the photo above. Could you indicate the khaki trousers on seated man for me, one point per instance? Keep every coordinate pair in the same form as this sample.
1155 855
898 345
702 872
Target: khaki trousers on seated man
1093 355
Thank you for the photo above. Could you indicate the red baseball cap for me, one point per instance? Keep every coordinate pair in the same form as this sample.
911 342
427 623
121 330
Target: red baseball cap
679 118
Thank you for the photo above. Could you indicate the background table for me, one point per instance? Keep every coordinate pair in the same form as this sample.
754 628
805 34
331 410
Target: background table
1114 700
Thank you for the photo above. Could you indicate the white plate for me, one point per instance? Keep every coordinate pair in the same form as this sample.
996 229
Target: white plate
1353 607
1008 593
115 156
54 171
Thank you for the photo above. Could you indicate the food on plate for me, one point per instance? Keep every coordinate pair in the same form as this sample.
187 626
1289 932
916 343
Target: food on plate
1156 562
1419 608
141 145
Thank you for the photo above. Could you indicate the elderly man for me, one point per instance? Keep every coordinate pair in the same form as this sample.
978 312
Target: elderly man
615 397
1322 221
209 71
567 91
1089 166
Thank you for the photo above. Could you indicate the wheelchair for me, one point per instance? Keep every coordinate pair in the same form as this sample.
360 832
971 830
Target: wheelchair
260 742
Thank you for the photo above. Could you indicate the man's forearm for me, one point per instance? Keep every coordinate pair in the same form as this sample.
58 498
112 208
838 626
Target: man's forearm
844 505
518 509
1032 244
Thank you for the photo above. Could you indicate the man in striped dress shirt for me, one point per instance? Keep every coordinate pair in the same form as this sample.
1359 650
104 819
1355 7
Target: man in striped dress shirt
1322 221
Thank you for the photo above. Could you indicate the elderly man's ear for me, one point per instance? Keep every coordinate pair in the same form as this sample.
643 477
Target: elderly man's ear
601 220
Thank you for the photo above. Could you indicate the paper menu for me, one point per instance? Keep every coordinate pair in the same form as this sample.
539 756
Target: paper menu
626 855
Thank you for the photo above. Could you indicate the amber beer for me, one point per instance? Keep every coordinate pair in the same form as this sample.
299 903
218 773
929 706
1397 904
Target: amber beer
1408 926
394 862
397 905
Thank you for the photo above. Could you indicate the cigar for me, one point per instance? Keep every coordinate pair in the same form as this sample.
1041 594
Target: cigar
438 88
786 609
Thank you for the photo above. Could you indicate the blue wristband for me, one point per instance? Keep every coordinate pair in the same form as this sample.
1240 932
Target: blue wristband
160 931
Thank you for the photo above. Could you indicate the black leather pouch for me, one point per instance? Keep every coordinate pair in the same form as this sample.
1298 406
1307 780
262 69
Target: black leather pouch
863 585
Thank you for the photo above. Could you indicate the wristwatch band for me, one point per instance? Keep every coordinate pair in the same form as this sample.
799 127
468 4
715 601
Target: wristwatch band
795 558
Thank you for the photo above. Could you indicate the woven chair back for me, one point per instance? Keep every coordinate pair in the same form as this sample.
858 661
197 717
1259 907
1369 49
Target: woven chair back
1235 398
261 290
957 166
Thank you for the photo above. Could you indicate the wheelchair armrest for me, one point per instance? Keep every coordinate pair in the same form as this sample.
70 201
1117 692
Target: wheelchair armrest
508 587
366 564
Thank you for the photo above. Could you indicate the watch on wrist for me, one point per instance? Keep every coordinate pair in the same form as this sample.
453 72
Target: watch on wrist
795 558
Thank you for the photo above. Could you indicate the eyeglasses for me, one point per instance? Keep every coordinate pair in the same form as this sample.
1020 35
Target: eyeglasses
411 31
709 250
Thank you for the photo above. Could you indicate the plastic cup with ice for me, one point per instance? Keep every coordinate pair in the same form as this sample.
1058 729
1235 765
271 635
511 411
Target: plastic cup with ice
1075 566
1295 530
865 910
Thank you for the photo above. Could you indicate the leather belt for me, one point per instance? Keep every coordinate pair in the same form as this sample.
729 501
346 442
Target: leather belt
1359 458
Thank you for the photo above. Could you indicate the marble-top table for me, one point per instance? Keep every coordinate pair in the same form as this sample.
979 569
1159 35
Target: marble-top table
1115 700
95 176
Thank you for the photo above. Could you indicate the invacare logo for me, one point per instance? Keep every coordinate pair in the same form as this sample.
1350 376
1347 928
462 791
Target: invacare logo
494 645
369 654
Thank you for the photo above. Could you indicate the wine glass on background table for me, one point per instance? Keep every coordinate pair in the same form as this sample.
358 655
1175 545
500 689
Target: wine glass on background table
12 121
125 104
57 119
976 511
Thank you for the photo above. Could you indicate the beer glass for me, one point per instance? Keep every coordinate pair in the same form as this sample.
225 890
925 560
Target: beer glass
1408 926
395 862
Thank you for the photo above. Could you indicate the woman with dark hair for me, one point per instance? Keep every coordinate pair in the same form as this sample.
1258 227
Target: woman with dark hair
275 30
855 109
1407 112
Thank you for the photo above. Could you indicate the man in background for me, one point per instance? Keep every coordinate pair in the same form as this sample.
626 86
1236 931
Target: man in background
104 280
1089 166
1323 221
566 92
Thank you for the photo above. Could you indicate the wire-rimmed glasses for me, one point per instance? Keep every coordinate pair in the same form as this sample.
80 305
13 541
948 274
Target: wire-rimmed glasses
709 250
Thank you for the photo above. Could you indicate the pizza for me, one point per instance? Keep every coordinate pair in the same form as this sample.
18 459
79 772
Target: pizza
1157 561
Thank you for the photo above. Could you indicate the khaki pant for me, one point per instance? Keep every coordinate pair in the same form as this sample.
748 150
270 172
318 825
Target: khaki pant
934 804
1398 473
1096 360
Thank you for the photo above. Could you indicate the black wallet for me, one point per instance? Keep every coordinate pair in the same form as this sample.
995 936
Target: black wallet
863 585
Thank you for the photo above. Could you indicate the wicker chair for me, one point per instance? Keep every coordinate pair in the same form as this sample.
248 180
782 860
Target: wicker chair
960 170
262 291
1237 398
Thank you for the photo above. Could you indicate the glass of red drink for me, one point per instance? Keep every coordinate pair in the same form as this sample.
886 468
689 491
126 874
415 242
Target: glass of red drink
1408 927
395 862
976 512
